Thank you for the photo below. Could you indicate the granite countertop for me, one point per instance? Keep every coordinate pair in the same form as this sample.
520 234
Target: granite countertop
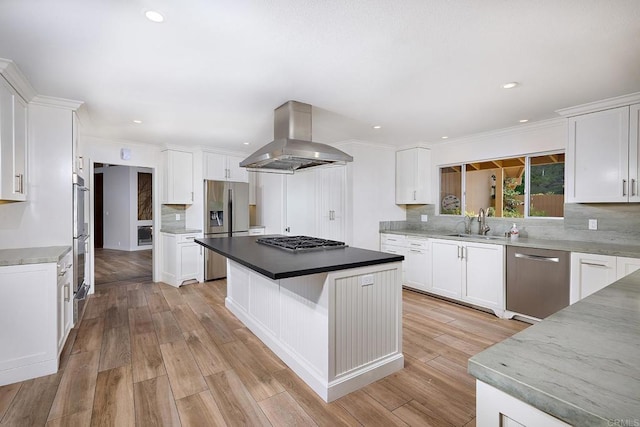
278 263
580 364
613 249
180 230
21 256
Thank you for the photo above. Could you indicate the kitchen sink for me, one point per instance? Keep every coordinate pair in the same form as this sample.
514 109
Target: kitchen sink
476 236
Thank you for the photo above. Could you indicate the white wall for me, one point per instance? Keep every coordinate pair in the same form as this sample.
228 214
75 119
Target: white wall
548 135
370 192
46 218
270 202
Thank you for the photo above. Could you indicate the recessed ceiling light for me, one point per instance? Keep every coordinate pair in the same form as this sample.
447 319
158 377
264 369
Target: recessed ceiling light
377 127
154 16
245 143
524 120
444 137
509 85
137 121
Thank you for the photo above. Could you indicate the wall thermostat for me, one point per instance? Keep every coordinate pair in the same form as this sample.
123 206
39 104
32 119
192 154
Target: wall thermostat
125 154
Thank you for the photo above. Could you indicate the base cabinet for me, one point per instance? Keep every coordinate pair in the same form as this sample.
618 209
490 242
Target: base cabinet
65 299
182 258
592 272
29 317
497 408
469 271
416 268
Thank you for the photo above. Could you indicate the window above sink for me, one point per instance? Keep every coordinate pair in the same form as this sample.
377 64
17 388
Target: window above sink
514 187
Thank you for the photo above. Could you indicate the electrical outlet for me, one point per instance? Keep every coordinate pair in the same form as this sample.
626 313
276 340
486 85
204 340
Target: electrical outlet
366 280
593 224
424 218
177 217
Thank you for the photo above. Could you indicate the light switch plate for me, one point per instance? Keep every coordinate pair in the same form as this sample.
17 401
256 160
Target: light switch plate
593 224
424 218
177 217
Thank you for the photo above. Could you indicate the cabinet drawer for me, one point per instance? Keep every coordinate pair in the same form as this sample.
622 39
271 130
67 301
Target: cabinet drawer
393 239
187 238
391 249
417 243
256 231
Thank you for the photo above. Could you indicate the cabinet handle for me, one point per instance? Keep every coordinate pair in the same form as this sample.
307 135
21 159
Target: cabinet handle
414 195
634 190
67 293
20 184
537 257
190 237
462 252
415 251
593 264
459 247
624 187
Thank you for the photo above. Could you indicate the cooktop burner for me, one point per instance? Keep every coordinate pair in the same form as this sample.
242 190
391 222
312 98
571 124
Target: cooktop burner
300 243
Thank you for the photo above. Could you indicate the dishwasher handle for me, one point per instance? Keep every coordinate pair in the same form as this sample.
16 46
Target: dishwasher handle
537 257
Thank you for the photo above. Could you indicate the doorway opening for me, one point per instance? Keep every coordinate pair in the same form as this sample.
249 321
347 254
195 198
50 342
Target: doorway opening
123 224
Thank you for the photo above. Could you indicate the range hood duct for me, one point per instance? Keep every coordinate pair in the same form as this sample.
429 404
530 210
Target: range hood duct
292 148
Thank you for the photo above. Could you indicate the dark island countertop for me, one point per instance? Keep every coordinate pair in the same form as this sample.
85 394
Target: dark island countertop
278 263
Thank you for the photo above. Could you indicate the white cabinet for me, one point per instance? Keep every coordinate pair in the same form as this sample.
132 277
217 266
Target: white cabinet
469 271
65 299
626 266
13 144
315 203
416 268
590 273
223 167
182 258
178 178
602 156
29 318
332 193
413 168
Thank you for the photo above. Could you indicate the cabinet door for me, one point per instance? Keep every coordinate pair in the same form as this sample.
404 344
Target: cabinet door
484 275
446 267
634 153
13 144
332 193
178 178
590 273
234 171
396 250
417 271
405 177
598 157
191 264
215 167
626 266
301 213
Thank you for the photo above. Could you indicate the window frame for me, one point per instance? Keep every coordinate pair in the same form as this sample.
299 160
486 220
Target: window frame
527 187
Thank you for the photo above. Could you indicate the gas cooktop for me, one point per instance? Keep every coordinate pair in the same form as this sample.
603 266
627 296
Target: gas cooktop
300 243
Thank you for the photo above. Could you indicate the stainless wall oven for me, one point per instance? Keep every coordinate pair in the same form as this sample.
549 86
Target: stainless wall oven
80 247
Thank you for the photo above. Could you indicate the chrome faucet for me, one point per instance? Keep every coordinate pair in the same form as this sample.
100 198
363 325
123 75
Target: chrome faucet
482 224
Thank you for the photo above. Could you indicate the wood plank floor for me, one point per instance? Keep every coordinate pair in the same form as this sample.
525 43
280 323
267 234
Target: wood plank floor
150 354
117 266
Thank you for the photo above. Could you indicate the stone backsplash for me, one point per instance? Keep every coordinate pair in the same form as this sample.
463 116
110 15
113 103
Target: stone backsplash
617 223
169 216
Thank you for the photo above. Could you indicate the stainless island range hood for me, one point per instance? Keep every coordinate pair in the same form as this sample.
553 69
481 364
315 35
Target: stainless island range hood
292 148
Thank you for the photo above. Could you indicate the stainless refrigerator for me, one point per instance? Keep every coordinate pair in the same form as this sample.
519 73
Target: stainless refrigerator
226 214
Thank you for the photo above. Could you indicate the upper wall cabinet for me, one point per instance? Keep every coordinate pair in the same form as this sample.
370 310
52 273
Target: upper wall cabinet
413 168
602 162
13 144
222 167
177 186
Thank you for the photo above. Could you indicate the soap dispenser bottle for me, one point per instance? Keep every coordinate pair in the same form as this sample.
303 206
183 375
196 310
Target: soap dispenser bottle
514 232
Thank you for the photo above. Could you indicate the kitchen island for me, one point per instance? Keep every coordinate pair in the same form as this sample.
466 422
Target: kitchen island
334 316
579 366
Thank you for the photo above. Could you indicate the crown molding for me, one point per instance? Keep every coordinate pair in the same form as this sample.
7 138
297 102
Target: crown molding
14 76
364 144
514 130
49 101
603 104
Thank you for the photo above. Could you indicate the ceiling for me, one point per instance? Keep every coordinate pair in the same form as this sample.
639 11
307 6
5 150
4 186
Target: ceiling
213 71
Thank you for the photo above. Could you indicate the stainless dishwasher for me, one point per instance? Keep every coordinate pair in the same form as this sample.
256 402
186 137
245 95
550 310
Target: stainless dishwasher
537 281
